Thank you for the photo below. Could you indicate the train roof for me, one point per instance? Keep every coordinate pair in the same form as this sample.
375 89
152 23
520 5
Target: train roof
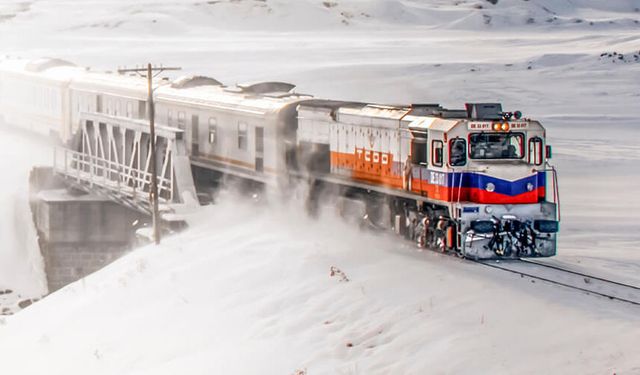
377 111
255 98
132 84
434 123
331 105
47 68
409 113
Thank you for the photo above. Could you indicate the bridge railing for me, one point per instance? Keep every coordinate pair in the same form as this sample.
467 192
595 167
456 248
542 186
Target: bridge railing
96 172
118 180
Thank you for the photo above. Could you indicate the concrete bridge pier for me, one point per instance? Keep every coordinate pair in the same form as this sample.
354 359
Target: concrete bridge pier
78 233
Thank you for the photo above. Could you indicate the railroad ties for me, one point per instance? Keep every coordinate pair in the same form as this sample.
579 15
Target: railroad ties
590 284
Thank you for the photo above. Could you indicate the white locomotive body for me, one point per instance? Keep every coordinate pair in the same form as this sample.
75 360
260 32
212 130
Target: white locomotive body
472 180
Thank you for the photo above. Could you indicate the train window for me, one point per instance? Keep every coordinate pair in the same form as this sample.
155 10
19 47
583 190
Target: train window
457 152
436 153
129 109
213 130
181 119
535 151
170 117
242 135
496 145
99 103
419 148
142 109
418 152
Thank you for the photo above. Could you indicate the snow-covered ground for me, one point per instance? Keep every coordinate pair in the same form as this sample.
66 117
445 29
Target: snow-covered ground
248 291
21 266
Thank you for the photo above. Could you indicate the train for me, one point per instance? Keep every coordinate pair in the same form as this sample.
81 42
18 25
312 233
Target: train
476 182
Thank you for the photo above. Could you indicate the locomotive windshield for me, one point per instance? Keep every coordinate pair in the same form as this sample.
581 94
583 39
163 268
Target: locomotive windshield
496 145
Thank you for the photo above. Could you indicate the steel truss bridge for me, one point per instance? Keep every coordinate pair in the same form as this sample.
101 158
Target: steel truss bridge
110 155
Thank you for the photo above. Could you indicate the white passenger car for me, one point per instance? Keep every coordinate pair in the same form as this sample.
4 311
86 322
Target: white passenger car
248 129
34 94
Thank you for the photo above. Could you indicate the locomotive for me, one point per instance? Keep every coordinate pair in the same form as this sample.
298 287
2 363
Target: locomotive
475 181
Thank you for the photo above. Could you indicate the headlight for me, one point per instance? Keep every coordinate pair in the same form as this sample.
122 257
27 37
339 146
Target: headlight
530 186
488 209
490 187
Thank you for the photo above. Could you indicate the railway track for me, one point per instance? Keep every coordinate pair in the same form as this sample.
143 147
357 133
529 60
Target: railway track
590 284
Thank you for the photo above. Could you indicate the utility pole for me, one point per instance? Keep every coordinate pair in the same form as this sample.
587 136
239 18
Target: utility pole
155 215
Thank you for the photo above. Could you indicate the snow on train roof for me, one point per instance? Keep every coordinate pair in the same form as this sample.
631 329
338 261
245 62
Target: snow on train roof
245 97
258 97
55 69
434 123
415 117
376 110
95 80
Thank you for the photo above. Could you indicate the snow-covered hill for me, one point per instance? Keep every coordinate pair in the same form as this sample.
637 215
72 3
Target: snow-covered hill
249 291
168 16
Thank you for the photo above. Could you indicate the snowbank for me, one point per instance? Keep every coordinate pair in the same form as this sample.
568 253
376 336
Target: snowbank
248 291
21 264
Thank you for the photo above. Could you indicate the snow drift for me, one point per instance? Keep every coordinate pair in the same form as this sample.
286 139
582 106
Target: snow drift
248 290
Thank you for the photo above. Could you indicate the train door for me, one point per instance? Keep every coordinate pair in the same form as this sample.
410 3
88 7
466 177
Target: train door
437 179
259 149
333 145
195 123
419 161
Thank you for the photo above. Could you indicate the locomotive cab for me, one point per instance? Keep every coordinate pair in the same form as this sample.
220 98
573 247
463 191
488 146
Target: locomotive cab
508 191
492 170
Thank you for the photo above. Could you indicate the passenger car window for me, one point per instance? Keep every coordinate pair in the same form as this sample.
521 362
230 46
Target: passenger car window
181 120
242 135
213 129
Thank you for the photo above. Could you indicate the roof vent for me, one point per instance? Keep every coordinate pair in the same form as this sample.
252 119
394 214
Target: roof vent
187 82
484 111
266 87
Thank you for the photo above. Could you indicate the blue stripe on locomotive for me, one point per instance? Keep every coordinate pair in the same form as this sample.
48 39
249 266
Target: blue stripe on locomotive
480 181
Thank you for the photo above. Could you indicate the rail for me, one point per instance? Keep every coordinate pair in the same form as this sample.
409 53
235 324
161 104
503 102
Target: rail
594 285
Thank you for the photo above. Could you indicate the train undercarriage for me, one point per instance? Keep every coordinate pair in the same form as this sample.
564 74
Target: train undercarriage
466 230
